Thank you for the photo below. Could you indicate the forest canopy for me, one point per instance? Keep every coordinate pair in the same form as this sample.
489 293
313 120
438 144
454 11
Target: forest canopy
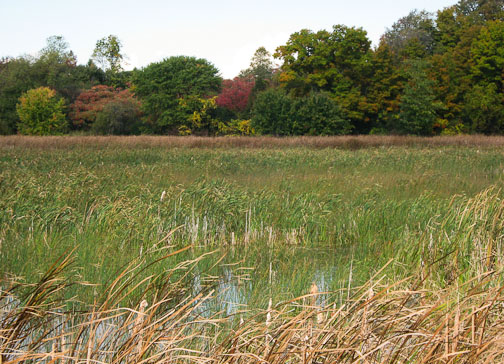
430 74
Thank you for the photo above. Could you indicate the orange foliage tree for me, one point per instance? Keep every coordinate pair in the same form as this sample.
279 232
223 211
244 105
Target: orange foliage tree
90 103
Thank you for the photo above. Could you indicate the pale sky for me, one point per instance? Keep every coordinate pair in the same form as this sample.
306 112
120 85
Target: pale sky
225 32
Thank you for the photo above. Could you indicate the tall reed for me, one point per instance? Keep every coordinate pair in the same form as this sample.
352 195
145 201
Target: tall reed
381 322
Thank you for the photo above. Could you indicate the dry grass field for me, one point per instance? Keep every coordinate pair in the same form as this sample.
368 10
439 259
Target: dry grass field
320 142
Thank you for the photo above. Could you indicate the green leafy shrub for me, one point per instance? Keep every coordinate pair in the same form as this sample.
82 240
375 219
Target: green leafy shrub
271 113
40 112
316 114
119 117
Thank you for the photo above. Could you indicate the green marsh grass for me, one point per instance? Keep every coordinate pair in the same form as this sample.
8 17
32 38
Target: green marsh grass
256 221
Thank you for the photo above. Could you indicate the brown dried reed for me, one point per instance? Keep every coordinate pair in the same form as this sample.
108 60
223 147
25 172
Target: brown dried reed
318 142
400 322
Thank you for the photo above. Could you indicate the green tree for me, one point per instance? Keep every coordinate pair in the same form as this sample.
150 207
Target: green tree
271 113
317 114
481 11
56 66
418 108
58 48
89 75
385 89
488 56
469 54
261 69
41 112
450 73
413 36
16 76
448 28
169 88
325 61
338 62
484 109
277 113
107 54
262 73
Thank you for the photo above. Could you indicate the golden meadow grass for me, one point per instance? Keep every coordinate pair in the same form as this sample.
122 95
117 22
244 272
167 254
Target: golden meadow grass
388 254
349 142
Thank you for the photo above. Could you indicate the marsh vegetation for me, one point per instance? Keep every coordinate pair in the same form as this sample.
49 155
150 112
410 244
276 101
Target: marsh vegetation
311 250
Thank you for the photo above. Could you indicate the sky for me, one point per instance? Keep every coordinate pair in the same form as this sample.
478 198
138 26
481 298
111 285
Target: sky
225 32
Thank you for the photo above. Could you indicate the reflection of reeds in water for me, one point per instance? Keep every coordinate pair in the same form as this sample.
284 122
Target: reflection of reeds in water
406 321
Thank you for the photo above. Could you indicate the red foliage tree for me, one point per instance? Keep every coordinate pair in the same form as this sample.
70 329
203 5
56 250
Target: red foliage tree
235 93
87 106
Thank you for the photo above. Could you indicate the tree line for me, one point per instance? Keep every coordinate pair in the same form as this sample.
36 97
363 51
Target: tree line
430 74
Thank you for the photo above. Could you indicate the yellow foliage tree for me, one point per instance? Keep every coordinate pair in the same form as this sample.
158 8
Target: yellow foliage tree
40 112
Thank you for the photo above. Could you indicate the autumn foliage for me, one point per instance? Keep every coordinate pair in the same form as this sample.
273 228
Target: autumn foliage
90 103
430 74
40 112
235 93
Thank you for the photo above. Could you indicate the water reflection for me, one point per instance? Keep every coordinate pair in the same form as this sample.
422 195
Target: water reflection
280 274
